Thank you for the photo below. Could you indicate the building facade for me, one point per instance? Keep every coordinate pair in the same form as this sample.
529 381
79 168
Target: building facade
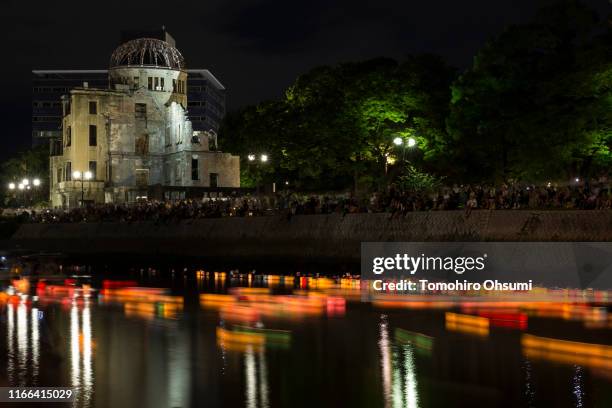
135 136
206 93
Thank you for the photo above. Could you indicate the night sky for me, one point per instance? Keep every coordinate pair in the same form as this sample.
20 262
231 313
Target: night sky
255 48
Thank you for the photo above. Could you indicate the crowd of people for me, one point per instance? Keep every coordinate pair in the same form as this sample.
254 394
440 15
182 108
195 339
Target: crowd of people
394 201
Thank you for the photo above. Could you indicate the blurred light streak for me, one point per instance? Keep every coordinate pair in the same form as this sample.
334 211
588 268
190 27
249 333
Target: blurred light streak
250 378
22 342
410 386
75 356
35 344
467 324
228 337
506 320
385 360
87 346
564 346
10 340
418 340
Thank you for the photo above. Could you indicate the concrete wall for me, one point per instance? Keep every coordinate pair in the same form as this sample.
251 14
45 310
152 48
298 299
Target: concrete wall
312 237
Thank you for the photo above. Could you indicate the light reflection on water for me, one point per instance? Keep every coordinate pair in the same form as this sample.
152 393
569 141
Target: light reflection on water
81 353
256 390
385 360
10 344
23 344
399 375
34 321
178 370
164 351
578 387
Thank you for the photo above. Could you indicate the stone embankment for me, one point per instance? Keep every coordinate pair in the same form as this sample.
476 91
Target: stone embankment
318 238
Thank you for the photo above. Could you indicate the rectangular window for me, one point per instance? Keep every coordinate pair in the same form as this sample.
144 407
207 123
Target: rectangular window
136 82
93 135
174 85
214 179
140 111
93 166
167 136
68 175
142 177
195 174
93 107
68 136
59 175
161 83
150 83
156 83
142 144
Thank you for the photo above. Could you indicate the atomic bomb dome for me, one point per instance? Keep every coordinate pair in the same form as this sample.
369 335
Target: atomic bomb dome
134 140
147 52
152 64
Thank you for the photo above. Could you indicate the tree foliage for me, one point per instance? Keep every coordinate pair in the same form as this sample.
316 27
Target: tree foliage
535 105
338 123
32 163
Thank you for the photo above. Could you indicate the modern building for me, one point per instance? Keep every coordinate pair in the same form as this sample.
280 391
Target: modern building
133 138
206 95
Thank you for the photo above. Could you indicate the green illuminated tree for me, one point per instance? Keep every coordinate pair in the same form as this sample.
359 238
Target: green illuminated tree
32 163
523 110
336 124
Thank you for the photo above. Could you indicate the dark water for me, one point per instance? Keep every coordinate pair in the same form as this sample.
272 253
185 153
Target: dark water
126 353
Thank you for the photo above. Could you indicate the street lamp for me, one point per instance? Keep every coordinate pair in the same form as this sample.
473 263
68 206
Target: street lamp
398 141
11 186
77 175
25 181
411 142
36 182
264 158
21 186
251 157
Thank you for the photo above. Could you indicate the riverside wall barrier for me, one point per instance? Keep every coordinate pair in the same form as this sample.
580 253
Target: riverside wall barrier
317 238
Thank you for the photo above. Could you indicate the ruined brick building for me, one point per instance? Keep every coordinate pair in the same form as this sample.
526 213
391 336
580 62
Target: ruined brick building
134 140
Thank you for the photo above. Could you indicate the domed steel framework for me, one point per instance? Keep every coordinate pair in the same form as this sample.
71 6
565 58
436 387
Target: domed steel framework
147 52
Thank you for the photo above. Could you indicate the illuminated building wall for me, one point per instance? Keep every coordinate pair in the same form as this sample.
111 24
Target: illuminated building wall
136 134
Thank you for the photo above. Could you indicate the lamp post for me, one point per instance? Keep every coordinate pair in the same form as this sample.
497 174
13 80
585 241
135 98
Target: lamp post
252 158
77 175
407 144
23 189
